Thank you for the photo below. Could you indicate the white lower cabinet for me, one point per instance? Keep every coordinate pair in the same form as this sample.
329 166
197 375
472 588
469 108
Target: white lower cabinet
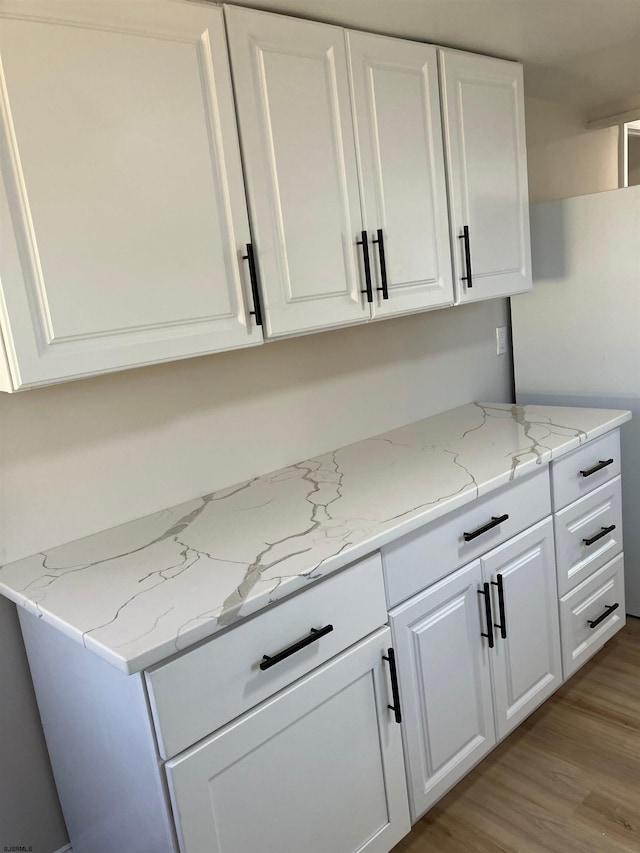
312 765
591 614
316 768
445 685
477 652
525 661
587 501
282 735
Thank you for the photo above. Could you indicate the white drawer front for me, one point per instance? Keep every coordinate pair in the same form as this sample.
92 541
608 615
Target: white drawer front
194 694
567 478
588 534
591 600
416 561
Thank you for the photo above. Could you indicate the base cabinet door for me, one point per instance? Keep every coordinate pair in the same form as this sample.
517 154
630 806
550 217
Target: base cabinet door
317 768
445 684
526 660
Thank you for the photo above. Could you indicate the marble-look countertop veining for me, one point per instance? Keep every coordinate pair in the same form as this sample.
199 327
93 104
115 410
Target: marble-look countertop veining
139 592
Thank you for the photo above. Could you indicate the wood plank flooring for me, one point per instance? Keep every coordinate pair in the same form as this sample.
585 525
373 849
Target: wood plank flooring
566 781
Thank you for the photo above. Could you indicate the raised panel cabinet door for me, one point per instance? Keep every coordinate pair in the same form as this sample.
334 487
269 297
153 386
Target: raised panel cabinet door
399 141
292 95
483 114
124 219
317 768
526 661
445 684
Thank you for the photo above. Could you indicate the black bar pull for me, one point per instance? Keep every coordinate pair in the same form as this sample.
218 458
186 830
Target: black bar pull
367 267
503 620
601 464
603 532
313 637
495 521
253 276
391 658
383 264
467 256
487 611
607 612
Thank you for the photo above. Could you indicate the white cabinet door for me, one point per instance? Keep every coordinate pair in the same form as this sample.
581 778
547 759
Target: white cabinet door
123 212
317 768
483 110
399 141
292 96
526 660
445 684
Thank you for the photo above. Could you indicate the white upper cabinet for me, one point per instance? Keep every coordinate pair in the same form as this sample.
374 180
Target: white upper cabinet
292 96
399 143
125 234
341 135
124 220
483 111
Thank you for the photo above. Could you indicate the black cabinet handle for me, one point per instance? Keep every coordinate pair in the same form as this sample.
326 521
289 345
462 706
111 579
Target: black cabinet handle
495 521
601 464
467 256
391 658
503 621
253 276
487 612
367 267
603 532
607 612
383 264
313 637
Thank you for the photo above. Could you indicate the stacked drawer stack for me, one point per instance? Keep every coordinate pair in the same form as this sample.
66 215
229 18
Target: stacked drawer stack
588 533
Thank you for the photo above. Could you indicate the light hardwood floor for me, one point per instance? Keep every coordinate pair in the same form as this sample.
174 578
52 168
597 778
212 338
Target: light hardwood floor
566 781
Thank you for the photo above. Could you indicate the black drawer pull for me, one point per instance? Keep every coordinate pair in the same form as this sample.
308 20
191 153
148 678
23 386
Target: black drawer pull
487 612
503 619
607 612
467 256
383 265
315 635
253 276
495 521
601 464
391 658
603 532
368 288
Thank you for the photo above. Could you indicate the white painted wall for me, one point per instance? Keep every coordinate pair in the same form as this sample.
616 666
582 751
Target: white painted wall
84 456
78 458
577 334
564 159
634 158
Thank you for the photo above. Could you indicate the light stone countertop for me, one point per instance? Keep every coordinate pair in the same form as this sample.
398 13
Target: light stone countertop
140 592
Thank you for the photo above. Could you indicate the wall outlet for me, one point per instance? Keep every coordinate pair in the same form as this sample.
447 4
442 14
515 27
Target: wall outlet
501 340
